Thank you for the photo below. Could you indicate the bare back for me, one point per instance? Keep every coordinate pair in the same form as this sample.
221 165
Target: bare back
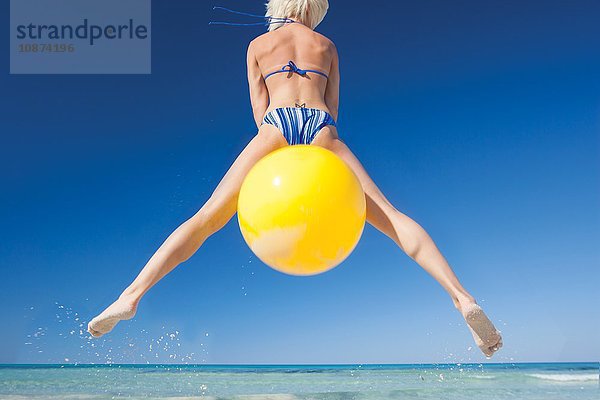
309 50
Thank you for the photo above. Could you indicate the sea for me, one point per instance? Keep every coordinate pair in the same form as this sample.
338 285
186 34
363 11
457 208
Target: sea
523 381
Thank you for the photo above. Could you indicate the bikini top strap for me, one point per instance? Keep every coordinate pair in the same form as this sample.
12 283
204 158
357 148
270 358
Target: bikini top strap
292 67
267 19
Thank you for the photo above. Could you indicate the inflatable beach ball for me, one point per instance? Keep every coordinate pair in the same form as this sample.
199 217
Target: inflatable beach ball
301 210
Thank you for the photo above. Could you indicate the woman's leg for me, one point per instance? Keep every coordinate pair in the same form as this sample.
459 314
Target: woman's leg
416 243
190 235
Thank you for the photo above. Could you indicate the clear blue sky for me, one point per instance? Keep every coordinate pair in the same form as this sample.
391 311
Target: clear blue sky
479 119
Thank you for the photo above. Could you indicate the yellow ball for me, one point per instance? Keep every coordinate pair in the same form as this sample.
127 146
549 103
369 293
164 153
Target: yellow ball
301 210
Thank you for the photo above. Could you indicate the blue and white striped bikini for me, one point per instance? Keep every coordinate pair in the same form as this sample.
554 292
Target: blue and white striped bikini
299 125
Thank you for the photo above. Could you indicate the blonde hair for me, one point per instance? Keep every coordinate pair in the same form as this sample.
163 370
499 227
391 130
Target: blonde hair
309 12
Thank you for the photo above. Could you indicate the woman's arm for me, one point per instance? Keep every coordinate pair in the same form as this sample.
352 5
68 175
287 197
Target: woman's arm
332 92
259 96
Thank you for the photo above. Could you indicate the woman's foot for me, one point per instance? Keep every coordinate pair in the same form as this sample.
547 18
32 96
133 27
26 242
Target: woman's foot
486 336
123 308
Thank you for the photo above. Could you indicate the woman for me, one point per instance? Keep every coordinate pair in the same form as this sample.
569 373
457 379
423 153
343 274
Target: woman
294 81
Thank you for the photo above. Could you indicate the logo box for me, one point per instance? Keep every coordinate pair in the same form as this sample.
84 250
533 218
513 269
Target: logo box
80 37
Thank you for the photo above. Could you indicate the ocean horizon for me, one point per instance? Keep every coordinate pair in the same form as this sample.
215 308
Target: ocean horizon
530 381
519 364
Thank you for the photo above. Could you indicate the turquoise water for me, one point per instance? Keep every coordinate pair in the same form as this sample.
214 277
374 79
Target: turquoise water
287 382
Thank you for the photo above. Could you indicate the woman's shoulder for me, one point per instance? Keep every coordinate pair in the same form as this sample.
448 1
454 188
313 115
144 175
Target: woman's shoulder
324 38
268 39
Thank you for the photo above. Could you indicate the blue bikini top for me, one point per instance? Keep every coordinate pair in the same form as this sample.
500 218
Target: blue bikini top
291 67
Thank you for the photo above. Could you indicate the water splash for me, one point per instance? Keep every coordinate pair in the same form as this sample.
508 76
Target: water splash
63 338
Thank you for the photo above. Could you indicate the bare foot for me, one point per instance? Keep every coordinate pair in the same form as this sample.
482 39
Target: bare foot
123 308
484 332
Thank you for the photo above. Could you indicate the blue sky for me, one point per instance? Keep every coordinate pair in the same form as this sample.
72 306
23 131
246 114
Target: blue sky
480 120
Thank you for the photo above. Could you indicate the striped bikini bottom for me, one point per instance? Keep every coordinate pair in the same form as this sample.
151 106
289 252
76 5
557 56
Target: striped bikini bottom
298 125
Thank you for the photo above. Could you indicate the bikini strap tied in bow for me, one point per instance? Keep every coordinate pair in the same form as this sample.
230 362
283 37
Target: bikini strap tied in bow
292 67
